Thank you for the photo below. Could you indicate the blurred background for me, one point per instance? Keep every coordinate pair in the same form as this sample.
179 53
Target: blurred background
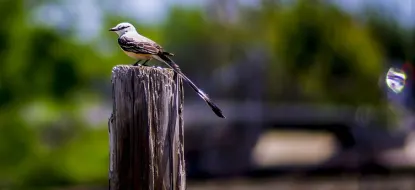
302 83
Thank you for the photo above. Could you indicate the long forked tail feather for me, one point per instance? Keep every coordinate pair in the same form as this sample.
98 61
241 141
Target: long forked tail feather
163 58
167 53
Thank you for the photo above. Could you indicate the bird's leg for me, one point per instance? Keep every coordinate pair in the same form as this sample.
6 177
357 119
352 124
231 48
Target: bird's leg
145 62
136 63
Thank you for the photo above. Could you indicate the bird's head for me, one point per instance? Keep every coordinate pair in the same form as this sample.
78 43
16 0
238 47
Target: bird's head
122 28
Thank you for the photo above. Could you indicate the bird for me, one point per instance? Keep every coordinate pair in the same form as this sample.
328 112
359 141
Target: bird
144 49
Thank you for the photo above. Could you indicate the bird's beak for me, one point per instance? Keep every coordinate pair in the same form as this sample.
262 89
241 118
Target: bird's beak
113 29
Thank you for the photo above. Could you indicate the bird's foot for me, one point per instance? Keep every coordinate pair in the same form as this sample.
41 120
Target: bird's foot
145 62
137 63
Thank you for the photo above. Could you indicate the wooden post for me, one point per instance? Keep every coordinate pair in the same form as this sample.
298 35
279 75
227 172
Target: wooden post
146 130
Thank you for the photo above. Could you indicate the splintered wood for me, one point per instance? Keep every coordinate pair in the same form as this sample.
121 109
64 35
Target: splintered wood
146 130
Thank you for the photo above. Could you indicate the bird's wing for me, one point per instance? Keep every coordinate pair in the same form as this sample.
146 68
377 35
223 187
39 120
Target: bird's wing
135 45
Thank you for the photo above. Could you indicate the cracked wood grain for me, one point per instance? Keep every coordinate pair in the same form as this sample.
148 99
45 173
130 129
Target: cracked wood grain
146 130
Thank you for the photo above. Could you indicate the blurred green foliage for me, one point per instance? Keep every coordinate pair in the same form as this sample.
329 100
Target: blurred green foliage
48 79
330 56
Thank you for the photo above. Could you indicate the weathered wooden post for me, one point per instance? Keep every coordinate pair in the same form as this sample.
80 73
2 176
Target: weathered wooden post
146 130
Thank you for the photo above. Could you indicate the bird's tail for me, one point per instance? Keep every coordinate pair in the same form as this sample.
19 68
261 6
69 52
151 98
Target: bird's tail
167 53
163 58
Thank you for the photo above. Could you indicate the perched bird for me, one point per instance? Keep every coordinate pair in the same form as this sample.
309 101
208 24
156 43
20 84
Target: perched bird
143 49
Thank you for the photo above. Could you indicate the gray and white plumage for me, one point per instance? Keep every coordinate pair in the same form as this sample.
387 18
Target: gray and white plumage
141 48
131 41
